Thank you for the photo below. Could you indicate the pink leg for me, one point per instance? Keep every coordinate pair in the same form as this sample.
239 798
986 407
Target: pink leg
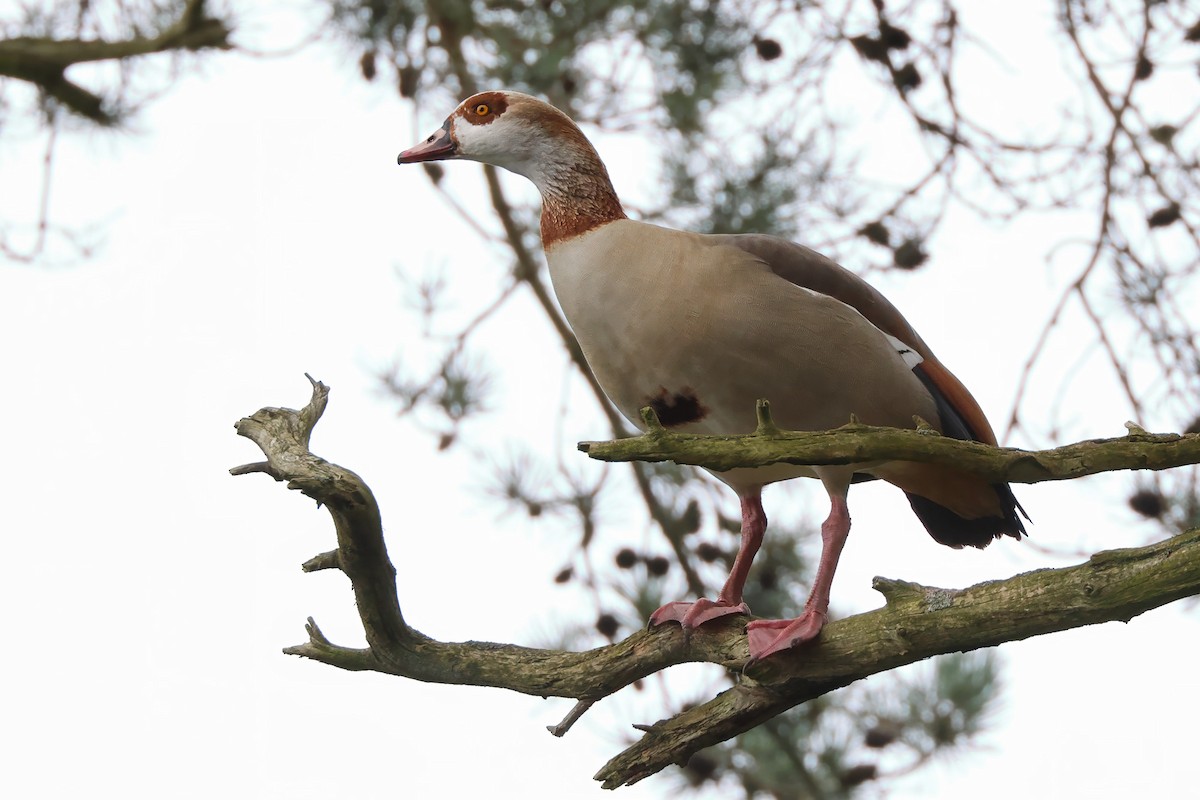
692 615
768 636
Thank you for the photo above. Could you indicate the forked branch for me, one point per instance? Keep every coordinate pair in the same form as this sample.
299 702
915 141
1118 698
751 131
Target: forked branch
916 622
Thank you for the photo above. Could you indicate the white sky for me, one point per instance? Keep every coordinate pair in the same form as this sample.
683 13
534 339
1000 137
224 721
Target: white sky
255 218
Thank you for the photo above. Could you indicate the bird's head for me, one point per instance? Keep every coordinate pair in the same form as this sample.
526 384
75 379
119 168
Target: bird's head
506 129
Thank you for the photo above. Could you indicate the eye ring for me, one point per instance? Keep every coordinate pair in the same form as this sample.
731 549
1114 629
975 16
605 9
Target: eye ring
482 109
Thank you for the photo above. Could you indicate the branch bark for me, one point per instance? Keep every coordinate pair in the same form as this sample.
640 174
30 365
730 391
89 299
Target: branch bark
915 623
856 443
43 61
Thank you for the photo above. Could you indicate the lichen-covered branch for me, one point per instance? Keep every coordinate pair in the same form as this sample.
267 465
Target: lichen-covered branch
855 443
917 622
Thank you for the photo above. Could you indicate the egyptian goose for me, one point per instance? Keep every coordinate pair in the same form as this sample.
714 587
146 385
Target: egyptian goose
700 326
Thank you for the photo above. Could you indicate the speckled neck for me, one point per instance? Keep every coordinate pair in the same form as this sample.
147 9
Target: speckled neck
577 196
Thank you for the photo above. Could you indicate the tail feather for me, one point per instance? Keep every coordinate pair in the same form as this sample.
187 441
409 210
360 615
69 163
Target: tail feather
950 529
945 526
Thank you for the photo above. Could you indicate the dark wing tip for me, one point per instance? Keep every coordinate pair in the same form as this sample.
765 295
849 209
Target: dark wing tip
950 529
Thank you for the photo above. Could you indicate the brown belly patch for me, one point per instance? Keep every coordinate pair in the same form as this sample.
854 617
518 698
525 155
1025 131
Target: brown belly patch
676 408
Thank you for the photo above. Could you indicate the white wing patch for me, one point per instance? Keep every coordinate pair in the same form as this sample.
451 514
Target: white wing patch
911 357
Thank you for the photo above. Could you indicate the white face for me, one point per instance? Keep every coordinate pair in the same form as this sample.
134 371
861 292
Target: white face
491 142
505 129
477 112
497 128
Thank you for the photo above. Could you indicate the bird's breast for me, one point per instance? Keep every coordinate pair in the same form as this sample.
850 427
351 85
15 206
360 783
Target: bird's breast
700 332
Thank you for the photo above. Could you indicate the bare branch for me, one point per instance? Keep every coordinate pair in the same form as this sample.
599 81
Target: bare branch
327 560
919 622
43 61
916 623
283 434
857 443
572 717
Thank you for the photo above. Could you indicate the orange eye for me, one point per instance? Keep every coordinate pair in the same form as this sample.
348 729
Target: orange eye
482 109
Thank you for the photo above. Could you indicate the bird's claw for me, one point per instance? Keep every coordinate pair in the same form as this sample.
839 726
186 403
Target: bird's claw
769 636
692 615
